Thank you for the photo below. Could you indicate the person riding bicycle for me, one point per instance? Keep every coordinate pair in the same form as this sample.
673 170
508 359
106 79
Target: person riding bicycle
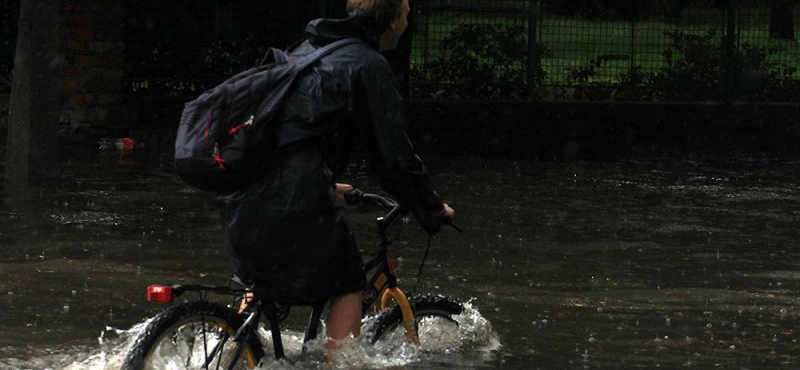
286 233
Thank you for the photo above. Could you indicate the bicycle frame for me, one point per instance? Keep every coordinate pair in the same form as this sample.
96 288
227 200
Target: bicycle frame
385 279
382 280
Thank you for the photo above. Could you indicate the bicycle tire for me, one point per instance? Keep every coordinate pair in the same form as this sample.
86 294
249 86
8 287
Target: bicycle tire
436 327
176 338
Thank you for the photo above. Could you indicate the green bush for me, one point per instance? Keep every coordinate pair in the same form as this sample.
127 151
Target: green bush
478 61
705 67
191 72
181 47
697 68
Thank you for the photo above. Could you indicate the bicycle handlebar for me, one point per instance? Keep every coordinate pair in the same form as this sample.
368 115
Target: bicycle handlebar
356 197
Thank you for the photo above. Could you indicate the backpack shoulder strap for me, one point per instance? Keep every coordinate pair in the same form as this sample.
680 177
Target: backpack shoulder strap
275 56
316 55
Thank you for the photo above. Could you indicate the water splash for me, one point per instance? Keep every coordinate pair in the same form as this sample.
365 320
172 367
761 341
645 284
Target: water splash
474 336
108 355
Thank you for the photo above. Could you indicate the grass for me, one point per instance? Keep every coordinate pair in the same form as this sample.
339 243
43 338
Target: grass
573 42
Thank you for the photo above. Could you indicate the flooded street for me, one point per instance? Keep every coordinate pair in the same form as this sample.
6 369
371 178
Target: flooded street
670 263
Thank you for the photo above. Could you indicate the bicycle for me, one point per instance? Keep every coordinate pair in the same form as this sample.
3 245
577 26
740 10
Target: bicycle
202 334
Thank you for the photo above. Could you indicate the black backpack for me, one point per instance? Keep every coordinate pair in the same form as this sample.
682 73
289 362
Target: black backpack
226 136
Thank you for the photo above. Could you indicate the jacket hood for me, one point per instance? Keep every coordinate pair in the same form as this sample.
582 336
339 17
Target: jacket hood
358 25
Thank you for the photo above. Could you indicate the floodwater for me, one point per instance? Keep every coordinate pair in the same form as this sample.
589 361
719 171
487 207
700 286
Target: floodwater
656 263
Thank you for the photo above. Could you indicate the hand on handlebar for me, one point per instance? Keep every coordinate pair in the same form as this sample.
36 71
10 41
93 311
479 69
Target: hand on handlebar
347 196
340 190
448 211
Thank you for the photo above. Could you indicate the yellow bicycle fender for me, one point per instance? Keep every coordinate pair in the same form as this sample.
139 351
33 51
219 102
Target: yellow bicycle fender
386 299
405 309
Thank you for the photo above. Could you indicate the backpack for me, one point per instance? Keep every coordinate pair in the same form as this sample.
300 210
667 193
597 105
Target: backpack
227 135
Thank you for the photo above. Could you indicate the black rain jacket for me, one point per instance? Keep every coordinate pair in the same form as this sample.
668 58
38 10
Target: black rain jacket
286 230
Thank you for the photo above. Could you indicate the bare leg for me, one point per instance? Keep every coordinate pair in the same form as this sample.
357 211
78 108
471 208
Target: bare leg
246 299
344 319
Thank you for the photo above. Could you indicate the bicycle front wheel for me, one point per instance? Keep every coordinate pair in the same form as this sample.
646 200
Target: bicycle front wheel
193 335
435 322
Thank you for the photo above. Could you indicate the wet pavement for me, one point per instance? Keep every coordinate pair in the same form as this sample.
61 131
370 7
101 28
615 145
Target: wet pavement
664 262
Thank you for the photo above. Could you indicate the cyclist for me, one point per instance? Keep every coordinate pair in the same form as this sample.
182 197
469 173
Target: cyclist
287 233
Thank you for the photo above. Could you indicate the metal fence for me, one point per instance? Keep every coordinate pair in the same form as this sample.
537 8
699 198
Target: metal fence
173 46
601 50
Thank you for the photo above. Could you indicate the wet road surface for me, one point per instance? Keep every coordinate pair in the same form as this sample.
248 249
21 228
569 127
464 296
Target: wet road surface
664 262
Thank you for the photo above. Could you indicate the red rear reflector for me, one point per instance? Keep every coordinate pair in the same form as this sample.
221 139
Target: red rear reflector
159 294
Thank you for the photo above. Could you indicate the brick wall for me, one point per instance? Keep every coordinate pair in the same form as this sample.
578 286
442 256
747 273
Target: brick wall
92 44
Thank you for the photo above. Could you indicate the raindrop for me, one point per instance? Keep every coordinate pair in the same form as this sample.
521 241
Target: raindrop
669 321
709 325
599 309
66 308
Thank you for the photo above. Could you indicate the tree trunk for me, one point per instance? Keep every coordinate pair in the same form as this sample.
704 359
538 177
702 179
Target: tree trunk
34 98
781 20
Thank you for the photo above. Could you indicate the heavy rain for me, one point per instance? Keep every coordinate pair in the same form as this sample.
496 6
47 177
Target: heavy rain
602 229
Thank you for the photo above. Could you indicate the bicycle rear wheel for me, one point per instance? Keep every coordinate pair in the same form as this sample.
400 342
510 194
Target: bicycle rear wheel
183 336
434 316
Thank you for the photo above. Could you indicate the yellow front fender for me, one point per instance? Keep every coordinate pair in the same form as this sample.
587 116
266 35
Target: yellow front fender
405 308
